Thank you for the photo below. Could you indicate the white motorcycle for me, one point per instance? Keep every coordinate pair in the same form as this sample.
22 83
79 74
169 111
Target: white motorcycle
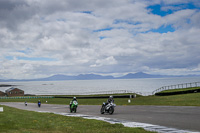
109 108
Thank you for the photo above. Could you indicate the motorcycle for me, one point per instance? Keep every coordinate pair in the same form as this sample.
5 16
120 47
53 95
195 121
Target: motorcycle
73 106
39 104
109 108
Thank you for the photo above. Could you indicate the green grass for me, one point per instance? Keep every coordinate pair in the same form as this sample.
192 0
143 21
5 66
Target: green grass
13 120
192 99
179 90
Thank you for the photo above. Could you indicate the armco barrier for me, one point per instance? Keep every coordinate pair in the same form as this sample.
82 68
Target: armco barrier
93 97
177 93
35 97
178 86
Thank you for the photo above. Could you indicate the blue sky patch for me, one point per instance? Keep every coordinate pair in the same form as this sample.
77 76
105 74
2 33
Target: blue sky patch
157 9
106 29
22 51
26 51
118 21
164 29
102 37
9 57
186 6
30 58
87 12
36 58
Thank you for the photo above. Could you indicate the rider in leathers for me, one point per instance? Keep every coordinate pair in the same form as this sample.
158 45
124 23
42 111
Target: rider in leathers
110 100
74 99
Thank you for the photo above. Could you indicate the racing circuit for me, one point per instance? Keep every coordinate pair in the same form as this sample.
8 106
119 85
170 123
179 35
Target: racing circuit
172 119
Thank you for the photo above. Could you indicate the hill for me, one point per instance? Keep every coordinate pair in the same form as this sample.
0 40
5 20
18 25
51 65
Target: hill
140 75
59 77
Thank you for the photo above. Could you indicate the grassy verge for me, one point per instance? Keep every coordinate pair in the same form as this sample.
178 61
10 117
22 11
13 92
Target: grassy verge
180 90
192 99
16 121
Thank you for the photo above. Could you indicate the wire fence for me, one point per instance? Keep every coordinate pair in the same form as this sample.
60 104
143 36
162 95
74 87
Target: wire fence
178 86
29 97
111 92
84 93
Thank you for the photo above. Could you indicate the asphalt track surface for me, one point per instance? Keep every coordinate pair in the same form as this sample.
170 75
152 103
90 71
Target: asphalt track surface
179 117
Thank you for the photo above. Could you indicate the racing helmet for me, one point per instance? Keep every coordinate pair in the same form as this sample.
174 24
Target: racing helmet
74 98
111 97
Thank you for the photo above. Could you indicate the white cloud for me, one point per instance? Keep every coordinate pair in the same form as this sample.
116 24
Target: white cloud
107 61
73 41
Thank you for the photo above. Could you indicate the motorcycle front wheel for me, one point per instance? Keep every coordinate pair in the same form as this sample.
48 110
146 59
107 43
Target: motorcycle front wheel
102 110
111 110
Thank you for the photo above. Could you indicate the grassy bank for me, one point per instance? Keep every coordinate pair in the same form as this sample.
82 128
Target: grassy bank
192 99
16 121
180 90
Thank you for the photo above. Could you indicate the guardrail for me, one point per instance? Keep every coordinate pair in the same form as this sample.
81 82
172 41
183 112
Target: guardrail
111 92
84 93
178 86
33 97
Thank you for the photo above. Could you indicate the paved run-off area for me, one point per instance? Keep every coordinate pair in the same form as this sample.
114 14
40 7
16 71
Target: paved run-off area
154 118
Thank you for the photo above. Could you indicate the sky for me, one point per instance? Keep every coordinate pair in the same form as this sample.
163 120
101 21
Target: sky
41 38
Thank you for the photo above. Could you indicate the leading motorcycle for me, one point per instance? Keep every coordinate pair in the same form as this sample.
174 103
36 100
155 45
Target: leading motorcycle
73 106
109 108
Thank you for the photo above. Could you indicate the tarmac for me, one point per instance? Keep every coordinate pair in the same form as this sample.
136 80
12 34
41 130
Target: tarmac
179 119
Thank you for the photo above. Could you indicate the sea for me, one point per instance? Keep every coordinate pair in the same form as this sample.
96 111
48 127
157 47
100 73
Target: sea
143 86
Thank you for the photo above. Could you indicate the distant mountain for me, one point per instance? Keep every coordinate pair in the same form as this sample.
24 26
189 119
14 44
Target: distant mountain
79 77
59 77
92 76
140 75
9 80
